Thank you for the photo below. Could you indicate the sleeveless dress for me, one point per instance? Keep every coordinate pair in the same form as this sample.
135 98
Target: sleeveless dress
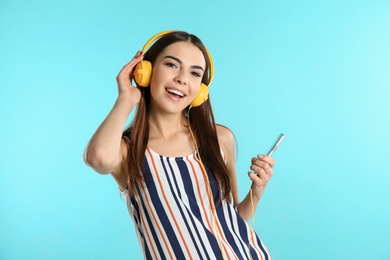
174 218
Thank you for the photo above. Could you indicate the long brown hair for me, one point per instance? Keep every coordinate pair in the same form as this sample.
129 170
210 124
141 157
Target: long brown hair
201 119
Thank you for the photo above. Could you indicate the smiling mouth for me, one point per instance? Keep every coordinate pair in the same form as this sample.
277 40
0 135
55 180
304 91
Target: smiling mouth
175 92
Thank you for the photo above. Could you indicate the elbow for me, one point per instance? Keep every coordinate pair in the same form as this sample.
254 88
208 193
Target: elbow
99 160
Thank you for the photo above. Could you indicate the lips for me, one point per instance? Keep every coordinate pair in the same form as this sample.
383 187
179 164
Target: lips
175 92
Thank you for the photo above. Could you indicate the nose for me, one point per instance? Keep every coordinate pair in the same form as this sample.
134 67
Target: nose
181 78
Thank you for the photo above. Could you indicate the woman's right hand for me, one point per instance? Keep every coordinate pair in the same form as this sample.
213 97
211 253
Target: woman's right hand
124 79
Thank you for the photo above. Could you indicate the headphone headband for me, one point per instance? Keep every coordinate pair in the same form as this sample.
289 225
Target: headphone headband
153 38
159 35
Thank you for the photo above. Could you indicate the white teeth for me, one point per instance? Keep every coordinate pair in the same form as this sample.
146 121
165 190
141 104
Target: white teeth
174 91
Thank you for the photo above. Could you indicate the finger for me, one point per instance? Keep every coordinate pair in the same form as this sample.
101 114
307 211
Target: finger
264 173
128 68
267 159
137 57
258 179
262 164
253 176
261 168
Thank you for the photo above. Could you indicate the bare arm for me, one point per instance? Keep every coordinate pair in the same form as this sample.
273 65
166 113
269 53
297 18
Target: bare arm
262 166
105 150
261 173
226 142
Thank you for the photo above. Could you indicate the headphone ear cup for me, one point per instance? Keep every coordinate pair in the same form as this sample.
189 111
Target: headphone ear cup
143 73
202 96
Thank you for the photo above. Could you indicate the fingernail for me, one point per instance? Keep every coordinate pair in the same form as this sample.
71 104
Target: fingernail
260 156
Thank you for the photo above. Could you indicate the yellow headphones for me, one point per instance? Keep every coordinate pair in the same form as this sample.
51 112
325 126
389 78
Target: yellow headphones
143 72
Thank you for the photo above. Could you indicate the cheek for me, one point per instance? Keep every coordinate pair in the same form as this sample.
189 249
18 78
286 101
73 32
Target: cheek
155 78
160 74
195 89
196 85
154 86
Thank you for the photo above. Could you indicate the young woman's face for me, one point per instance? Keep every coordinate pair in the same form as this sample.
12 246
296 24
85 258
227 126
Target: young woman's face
177 76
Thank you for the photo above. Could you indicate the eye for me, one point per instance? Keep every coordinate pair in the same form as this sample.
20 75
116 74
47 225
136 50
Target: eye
196 74
171 64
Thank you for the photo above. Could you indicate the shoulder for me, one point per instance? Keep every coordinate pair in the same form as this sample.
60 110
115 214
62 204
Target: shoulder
226 141
225 135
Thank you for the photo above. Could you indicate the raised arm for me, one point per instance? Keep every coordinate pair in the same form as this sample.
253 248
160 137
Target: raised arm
104 151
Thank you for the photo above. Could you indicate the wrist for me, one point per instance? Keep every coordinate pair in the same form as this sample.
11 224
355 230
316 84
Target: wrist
255 196
125 102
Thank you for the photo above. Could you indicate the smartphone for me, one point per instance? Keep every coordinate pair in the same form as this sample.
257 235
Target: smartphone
275 145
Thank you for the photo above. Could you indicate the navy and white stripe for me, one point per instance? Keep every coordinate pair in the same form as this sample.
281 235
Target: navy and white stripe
174 218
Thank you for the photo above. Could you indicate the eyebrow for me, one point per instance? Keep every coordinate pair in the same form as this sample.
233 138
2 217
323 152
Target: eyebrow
179 61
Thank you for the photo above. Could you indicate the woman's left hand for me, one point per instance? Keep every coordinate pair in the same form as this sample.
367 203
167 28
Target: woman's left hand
261 173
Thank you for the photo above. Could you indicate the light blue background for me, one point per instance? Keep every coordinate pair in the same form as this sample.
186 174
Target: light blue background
319 71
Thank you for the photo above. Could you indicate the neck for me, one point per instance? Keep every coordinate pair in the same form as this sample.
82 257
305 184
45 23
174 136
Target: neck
166 126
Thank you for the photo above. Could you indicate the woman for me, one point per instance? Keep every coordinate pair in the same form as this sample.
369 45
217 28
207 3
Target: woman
174 165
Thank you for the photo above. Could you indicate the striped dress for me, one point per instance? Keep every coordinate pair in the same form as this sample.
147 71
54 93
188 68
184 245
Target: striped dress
173 216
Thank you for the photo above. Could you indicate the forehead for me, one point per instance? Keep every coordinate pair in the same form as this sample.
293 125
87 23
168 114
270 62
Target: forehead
186 52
